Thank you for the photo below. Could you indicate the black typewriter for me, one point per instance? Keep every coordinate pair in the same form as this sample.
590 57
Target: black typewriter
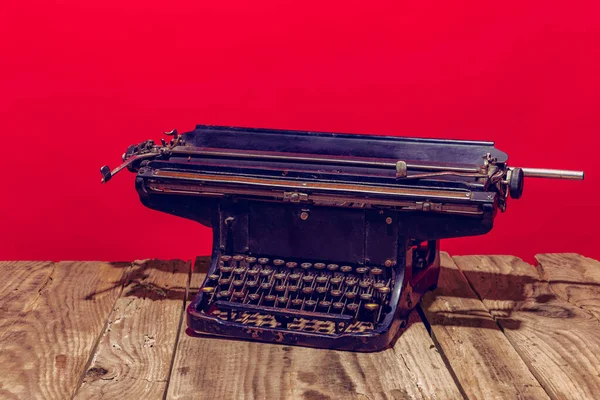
321 239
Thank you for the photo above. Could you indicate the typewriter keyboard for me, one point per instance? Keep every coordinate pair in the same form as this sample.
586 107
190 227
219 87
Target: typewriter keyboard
316 297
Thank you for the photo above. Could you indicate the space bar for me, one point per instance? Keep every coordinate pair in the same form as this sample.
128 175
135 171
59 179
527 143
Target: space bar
229 305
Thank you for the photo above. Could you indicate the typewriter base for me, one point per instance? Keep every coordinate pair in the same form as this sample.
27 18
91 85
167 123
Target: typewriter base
376 340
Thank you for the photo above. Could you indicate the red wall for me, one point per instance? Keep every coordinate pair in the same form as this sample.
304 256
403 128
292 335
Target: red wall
79 81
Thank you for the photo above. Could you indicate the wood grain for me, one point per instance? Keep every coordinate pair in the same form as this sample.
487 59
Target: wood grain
482 358
210 367
558 341
62 313
573 278
134 356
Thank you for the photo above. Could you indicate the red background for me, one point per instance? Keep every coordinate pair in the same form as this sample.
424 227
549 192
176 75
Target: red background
80 81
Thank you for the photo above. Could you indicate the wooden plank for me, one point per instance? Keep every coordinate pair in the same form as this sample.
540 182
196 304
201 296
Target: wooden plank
45 349
483 360
134 356
573 278
210 367
557 340
21 284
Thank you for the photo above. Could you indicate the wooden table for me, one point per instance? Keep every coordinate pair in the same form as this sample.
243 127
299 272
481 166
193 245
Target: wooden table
496 327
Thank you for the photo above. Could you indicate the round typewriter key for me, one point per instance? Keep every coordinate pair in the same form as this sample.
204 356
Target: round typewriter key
238 283
376 271
362 270
309 305
325 304
336 280
307 279
265 286
253 297
250 260
238 258
208 289
351 282
224 294
263 261
366 296
378 285
282 301
266 272
333 267
291 265
321 279
364 284
293 289
239 271
350 295
338 305
319 266
336 293
280 288
238 295
253 272
352 308
296 303
346 268
270 298
213 277
278 262
225 269
251 284
224 282
383 290
321 290
225 258
306 265
307 290
371 306
294 277
279 276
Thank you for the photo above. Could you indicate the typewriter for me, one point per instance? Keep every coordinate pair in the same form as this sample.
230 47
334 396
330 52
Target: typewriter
321 239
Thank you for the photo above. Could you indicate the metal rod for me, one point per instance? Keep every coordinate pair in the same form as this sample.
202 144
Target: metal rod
552 173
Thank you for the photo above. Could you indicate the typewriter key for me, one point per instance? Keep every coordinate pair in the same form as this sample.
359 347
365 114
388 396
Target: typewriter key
238 296
253 272
265 286
280 288
319 266
263 261
371 306
225 269
294 277
324 305
351 282
336 280
225 258
270 299
213 278
364 284
282 301
307 279
291 265
224 282
336 293
250 260
251 284
253 298
239 271
224 294
309 305
307 291
346 269
338 306
350 295
279 276
293 289
351 308
333 267
266 272
383 290
238 258
378 285
297 303
321 290
306 265
238 283
366 296
376 271
208 289
362 270
278 262
321 279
